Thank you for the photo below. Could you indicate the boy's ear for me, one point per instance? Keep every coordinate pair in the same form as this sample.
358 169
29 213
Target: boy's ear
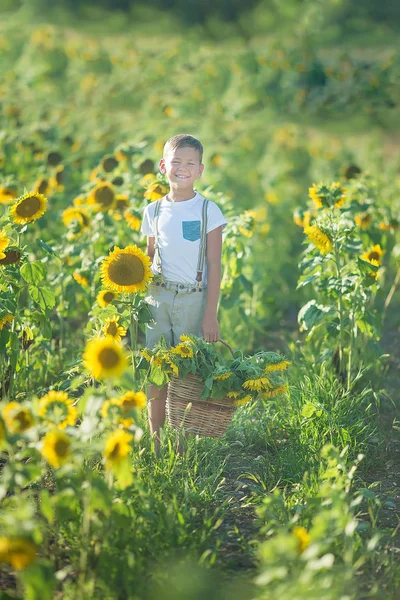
161 165
201 169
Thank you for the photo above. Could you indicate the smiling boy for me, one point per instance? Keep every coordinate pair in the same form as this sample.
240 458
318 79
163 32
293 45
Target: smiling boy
184 242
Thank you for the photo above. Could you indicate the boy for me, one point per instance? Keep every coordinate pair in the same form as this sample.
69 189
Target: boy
185 255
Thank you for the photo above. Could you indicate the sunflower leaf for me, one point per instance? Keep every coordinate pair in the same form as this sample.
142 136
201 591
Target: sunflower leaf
34 272
43 296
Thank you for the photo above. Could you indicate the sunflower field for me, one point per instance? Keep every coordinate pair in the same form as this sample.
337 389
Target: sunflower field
297 106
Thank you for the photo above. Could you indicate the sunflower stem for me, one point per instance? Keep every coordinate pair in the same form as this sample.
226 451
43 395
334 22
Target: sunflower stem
133 336
341 342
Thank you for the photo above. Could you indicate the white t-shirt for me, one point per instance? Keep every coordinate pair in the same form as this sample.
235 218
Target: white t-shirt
179 230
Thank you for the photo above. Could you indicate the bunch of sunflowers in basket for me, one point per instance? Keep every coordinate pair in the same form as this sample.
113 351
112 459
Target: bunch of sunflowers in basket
241 378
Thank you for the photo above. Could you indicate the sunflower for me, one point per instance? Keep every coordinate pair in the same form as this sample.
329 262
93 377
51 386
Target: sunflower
54 158
18 552
57 179
244 400
17 418
155 191
278 366
7 194
11 257
319 238
363 220
118 181
303 538
4 241
80 279
109 163
145 355
132 219
104 358
374 256
313 194
130 401
56 448
183 350
222 376
133 400
302 217
173 367
147 179
28 208
105 297
339 194
76 216
117 447
108 408
42 186
258 384
57 408
6 319
121 202
186 338
233 394
113 328
126 270
146 167
281 389
102 196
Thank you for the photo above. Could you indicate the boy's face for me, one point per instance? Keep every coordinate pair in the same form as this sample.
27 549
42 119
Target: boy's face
182 167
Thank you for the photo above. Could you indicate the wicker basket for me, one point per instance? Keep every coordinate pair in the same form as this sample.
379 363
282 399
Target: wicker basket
186 409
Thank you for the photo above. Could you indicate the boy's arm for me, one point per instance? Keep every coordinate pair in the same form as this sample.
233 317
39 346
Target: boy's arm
150 246
210 326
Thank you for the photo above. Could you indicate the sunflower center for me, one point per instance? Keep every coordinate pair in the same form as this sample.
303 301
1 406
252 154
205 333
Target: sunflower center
126 269
12 257
23 420
112 329
104 196
374 256
28 207
108 358
115 452
42 187
61 447
108 297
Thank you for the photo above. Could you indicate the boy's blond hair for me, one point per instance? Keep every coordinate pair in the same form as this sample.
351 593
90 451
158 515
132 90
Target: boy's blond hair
183 140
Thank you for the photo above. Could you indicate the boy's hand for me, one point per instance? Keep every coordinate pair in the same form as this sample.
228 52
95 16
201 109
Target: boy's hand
210 328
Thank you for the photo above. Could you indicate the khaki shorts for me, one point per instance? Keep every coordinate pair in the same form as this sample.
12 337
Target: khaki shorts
174 312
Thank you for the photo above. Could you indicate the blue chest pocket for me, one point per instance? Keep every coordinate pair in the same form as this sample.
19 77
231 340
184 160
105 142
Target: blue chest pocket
191 230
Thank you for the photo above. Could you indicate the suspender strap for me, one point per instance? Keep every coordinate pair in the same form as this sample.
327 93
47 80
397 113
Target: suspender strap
203 243
157 256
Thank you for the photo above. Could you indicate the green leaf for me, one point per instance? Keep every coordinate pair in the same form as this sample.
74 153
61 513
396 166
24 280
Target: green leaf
246 283
311 313
43 296
47 248
157 376
123 473
46 507
34 272
308 410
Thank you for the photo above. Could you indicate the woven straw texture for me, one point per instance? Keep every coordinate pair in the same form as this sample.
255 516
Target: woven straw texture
204 417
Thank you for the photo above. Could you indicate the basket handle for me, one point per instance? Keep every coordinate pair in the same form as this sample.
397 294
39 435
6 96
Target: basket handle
227 345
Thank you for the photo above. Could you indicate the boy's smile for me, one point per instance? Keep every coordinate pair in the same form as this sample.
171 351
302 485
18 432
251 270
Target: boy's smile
182 167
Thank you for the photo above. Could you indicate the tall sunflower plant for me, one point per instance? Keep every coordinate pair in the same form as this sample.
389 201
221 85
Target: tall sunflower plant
242 379
27 299
344 266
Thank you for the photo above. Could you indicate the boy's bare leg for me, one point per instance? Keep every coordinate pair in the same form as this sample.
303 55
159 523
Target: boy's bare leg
156 409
